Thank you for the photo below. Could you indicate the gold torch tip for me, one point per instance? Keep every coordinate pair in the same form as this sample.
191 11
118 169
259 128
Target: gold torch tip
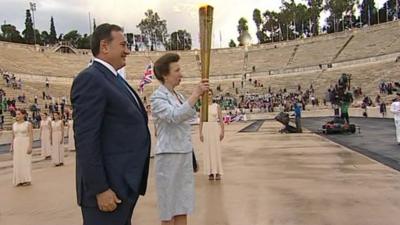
204 5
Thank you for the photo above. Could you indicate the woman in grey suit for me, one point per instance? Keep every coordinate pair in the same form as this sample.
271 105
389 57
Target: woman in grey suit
173 158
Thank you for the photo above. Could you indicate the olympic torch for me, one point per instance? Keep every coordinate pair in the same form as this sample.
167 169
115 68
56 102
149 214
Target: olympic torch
206 20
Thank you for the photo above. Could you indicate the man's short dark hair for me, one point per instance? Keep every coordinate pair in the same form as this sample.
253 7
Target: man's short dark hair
102 32
161 66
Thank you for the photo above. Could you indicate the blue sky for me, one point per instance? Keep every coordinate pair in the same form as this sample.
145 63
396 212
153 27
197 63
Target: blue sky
180 14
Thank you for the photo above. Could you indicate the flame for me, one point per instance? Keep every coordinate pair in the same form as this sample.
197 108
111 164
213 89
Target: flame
204 3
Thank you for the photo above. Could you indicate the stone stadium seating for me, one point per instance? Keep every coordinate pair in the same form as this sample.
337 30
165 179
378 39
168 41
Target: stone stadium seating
226 62
373 41
318 52
367 53
25 59
190 64
270 59
361 43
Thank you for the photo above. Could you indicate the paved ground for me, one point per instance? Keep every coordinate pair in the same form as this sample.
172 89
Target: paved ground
376 140
270 179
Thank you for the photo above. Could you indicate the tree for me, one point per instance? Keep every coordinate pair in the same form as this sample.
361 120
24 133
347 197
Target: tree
271 25
11 34
53 35
232 44
388 11
369 14
338 10
287 20
39 40
315 9
72 37
84 42
45 37
292 21
28 32
258 21
257 18
180 40
153 28
243 30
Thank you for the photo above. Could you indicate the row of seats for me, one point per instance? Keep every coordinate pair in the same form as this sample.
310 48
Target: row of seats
324 49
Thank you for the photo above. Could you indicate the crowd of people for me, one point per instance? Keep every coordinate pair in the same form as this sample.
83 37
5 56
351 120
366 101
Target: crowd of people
281 100
284 100
10 80
388 87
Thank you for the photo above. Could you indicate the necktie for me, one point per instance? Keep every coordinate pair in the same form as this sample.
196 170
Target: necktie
126 88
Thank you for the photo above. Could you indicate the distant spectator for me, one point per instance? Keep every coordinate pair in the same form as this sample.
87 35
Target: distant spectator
365 107
1 121
51 108
62 106
4 105
378 99
19 84
56 108
335 109
313 101
344 109
11 109
297 112
13 103
382 109
22 98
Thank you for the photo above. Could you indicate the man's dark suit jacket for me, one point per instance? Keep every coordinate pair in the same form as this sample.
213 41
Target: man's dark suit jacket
112 138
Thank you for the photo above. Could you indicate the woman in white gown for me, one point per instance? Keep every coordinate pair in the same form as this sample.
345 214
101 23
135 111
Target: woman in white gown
71 139
57 141
211 135
21 147
45 136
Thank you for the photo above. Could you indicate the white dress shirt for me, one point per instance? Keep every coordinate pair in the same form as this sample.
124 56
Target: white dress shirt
120 71
112 69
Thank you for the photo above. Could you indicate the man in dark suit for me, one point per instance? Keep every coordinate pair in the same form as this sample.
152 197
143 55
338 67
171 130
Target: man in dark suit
111 134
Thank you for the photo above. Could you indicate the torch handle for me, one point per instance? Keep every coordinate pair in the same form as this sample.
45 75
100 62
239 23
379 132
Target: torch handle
206 20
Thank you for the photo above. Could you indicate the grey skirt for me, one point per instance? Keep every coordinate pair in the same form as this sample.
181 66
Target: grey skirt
174 184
